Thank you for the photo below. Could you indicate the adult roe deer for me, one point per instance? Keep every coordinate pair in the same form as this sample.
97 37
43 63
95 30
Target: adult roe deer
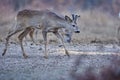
45 20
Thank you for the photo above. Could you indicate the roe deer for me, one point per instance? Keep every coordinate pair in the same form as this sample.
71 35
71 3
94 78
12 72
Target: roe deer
45 20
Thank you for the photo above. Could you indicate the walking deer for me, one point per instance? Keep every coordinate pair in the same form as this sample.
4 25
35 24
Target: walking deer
47 21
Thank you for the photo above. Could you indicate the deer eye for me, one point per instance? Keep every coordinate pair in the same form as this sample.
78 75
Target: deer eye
73 25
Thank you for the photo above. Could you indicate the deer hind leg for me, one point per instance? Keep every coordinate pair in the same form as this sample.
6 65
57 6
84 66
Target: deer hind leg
44 33
31 35
21 36
31 31
59 36
8 37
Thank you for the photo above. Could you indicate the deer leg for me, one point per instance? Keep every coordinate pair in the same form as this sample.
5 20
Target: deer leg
25 40
60 45
31 35
59 36
21 36
7 39
44 33
31 31
36 32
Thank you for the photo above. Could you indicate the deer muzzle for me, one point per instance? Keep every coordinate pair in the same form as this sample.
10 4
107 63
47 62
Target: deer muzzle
77 31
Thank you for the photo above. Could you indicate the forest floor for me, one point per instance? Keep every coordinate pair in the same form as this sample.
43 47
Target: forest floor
58 66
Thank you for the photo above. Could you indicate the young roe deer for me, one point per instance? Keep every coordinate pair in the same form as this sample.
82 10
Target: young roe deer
45 20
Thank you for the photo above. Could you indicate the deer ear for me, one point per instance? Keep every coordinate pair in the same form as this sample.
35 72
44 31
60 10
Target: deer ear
68 18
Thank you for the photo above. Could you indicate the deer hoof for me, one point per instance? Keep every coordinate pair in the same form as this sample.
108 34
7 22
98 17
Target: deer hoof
67 53
46 57
4 52
25 56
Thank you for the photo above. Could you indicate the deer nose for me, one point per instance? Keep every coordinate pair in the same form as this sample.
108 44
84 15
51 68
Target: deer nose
77 31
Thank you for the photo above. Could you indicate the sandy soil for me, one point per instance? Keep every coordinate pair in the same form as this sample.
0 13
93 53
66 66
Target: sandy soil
58 66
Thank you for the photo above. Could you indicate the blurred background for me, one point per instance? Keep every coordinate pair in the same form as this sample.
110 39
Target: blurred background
99 19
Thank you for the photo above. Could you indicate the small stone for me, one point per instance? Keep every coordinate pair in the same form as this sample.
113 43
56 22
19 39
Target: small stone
40 49
60 45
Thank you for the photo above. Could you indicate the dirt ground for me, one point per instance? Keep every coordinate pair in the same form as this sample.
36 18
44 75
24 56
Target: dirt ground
58 66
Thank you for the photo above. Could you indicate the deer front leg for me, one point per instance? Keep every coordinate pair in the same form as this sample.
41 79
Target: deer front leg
59 36
44 33
21 36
